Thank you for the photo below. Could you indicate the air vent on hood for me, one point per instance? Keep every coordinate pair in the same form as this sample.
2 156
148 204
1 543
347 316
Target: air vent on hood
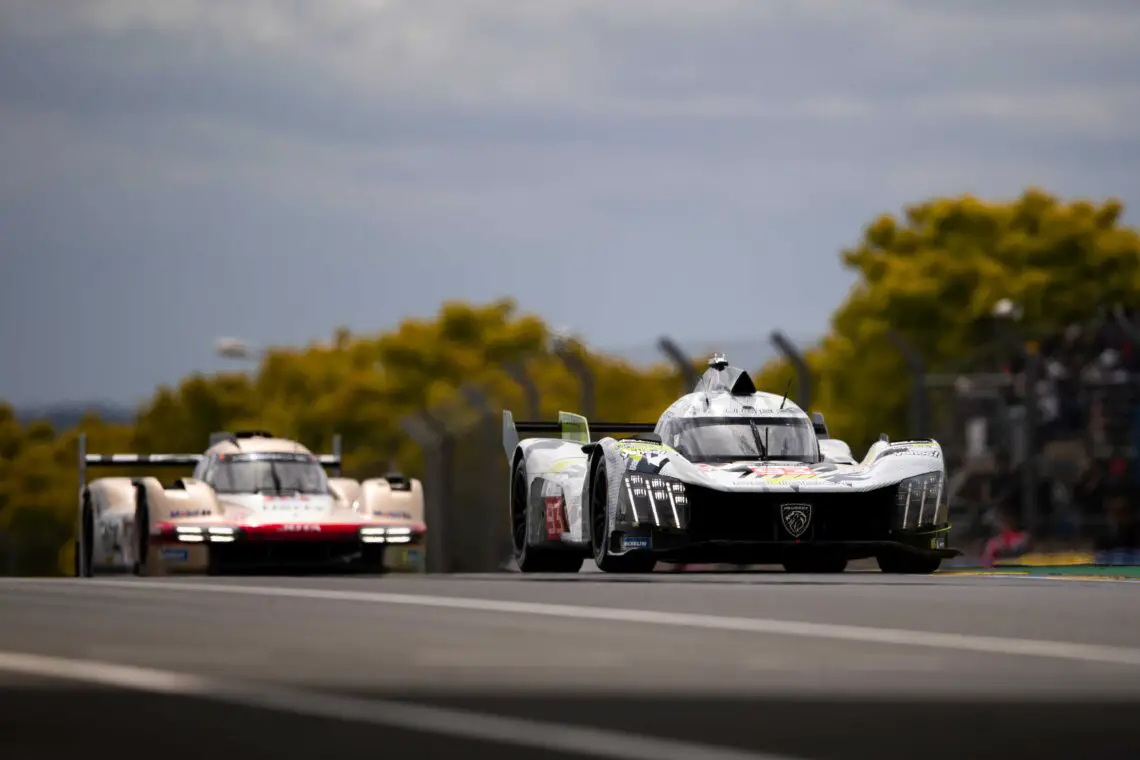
398 482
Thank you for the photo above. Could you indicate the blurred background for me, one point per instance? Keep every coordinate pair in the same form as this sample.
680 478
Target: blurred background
391 220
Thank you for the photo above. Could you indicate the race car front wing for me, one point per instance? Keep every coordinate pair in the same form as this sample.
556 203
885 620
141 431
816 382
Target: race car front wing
186 548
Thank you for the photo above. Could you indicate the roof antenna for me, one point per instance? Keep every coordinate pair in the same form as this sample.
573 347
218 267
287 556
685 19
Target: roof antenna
786 392
718 361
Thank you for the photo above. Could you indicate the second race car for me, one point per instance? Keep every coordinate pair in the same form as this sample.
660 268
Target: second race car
254 501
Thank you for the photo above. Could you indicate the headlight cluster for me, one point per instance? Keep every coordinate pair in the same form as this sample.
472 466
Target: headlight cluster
386 535
197 534
653 500
921 502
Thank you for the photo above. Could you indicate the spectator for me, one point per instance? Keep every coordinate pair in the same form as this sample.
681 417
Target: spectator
1122 534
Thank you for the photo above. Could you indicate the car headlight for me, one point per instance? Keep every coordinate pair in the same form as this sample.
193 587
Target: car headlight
653 500
390 534
921 501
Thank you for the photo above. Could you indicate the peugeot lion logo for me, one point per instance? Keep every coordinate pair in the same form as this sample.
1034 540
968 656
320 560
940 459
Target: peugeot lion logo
796 517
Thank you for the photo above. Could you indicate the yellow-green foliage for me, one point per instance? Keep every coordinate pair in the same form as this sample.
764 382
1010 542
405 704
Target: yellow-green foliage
933 275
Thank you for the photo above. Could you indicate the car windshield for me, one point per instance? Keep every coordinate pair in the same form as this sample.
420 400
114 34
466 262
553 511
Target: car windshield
728 439
270 473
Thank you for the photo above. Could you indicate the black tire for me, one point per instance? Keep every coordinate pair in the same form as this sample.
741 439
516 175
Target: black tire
142 534
534 559
85 543
599 535
816 565
909 564
371 561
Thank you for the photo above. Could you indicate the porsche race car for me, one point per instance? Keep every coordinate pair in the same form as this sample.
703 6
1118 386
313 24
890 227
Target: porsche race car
254 501
727 474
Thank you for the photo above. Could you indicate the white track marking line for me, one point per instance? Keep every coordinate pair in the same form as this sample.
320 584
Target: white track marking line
461 724
1058 650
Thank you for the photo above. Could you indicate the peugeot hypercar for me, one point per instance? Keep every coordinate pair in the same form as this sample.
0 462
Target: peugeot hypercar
728 474
255 501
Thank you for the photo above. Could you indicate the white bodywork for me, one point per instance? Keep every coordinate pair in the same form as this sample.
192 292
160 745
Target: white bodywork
111 517
557 469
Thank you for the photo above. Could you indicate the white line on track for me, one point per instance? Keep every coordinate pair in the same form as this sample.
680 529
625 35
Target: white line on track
460 724
996 645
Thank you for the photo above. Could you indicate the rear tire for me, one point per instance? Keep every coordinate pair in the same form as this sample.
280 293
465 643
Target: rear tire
599 533
142 534
909 564
534 559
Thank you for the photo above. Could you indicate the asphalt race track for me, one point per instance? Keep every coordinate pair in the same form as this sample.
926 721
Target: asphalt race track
668 667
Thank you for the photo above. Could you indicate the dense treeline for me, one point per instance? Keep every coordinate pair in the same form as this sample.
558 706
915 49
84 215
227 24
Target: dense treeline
933 275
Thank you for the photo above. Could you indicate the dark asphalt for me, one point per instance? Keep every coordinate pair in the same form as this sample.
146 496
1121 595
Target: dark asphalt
831 690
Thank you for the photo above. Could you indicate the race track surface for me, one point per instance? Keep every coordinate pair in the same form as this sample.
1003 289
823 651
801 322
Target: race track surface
670 667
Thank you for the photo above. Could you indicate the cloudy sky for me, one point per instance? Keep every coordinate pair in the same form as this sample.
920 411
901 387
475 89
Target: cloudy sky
176 171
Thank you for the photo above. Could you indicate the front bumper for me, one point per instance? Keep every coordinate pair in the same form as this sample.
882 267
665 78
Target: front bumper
671 546
177 548
684 523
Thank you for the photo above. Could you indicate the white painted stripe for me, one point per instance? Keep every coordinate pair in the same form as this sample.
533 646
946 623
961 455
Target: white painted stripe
1058 650
461 724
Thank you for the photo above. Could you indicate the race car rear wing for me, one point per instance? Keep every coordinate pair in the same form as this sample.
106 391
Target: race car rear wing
330 461
570 427
129 460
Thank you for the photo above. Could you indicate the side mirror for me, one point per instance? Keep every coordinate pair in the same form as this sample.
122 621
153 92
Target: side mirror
819 425
835 450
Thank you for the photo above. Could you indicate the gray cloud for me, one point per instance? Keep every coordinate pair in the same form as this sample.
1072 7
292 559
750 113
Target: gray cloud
424 149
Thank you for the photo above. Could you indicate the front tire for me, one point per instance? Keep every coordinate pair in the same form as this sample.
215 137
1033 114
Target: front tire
909 564
599 530
85 545
533 559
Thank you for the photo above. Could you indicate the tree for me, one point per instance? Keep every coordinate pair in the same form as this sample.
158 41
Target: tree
935 275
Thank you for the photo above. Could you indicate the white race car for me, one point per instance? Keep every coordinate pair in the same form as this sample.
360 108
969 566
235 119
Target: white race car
728 474
254 501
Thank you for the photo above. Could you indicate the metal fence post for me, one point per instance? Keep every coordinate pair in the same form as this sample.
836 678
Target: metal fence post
918 388
518 373
434 441
581 370
803 372
1029 484
338 452
684 364
481 510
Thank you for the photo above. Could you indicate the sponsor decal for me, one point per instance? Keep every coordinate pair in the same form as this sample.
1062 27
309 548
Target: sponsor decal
638 449
290 504
635 542
773 474
174 555
299 528
651 462
555 518
938 542
395 514
177 513
796 518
